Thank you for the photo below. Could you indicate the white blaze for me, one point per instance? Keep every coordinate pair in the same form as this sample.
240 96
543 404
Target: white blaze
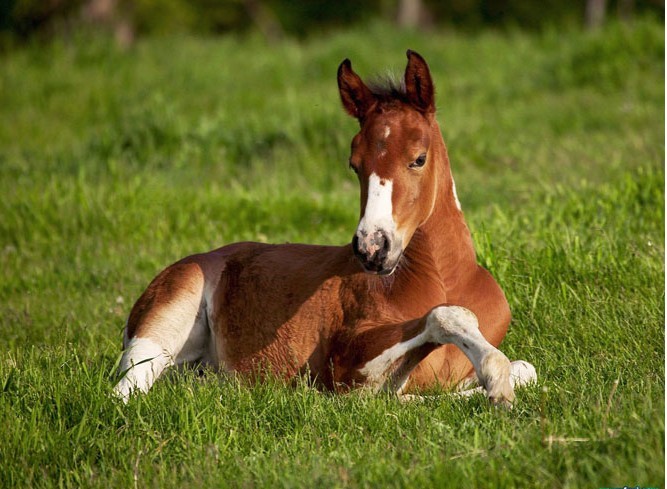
378 213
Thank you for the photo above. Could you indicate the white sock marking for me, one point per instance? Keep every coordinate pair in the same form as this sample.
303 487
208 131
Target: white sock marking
459 326
375 370
143 361
522 373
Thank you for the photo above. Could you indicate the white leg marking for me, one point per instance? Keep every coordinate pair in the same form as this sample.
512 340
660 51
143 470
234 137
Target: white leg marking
143 361
376 369
457 325
522 373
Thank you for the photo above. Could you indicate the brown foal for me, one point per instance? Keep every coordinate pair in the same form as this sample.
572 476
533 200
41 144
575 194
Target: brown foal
403 307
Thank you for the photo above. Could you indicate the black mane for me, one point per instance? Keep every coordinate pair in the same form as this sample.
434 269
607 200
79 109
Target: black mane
388 90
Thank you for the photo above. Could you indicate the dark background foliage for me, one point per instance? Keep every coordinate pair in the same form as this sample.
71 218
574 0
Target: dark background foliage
27 20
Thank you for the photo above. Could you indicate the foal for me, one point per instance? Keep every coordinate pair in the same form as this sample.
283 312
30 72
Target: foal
403 307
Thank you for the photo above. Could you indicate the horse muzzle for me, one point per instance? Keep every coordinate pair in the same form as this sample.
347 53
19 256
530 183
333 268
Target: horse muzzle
377 251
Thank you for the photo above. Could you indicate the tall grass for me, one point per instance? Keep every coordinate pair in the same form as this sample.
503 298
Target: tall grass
114 164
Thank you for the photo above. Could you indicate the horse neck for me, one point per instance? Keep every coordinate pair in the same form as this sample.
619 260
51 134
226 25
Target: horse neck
443 244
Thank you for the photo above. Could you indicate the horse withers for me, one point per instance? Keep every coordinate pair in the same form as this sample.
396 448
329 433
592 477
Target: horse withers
403 307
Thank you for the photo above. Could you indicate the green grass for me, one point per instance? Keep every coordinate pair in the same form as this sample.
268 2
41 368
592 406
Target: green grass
114 164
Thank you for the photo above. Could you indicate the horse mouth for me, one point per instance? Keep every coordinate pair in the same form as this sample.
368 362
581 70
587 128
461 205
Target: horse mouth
377 263
387 268
387 271
373 269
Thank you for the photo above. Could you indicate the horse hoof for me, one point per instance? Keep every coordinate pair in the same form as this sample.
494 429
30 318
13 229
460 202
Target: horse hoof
522 373
495 377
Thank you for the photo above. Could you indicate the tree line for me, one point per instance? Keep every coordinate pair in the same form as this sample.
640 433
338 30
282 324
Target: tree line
25 20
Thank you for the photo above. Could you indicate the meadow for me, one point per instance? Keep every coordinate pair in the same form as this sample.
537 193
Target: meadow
115 163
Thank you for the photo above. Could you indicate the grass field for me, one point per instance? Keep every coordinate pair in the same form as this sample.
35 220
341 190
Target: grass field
114 164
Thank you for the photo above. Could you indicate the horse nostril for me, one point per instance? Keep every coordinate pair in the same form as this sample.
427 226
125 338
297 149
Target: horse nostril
382 245
385 246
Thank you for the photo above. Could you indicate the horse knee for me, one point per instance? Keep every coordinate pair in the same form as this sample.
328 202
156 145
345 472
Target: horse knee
447 323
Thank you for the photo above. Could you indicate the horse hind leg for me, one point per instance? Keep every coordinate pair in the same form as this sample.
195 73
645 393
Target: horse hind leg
167 326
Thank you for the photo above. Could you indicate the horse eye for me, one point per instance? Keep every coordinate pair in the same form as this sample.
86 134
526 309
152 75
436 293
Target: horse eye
419 162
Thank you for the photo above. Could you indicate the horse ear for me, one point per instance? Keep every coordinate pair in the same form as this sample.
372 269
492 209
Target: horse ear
355 95
418 84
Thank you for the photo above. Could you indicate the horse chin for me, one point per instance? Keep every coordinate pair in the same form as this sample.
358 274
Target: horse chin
391 268
385 269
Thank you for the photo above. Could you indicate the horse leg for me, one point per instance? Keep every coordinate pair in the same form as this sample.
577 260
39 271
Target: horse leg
522 373
167 326
383 357
458 326
380 357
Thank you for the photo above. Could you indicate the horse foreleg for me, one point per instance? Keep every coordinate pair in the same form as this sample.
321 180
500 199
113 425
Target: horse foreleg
459 326
382 357
522 374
